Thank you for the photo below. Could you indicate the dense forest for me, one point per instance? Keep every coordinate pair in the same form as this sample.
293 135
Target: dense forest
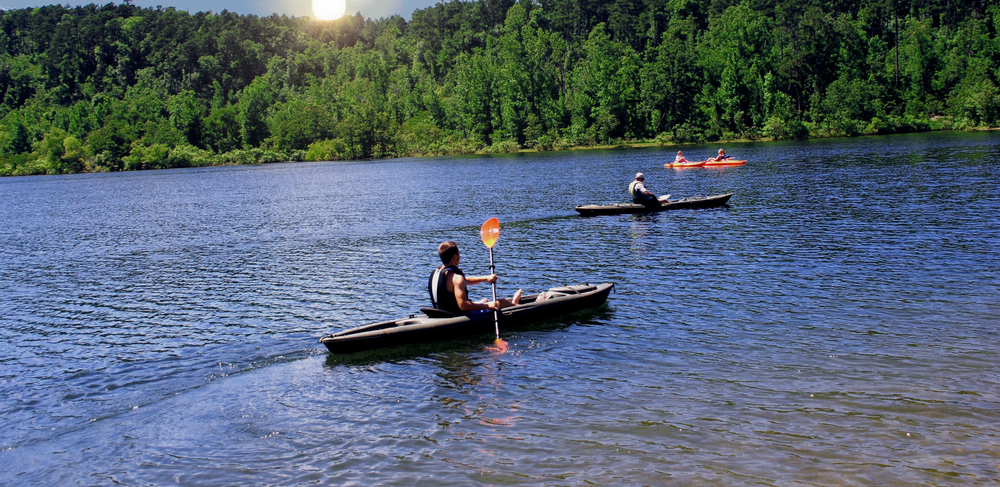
118 87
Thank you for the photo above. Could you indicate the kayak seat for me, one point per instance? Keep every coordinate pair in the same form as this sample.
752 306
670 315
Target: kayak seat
437 313
575 289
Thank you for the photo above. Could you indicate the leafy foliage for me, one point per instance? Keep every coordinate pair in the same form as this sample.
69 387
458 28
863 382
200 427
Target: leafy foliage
118 87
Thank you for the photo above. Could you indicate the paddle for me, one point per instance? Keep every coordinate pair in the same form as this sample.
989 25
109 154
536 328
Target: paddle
490 232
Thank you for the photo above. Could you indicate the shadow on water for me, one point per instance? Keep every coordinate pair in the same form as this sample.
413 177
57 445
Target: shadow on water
403 353
465 345
654 216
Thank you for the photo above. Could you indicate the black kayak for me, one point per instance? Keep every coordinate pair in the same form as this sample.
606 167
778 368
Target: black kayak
619 208
436 325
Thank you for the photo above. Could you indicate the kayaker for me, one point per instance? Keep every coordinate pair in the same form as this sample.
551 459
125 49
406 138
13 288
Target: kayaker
640 194
721 157
680 158
448 285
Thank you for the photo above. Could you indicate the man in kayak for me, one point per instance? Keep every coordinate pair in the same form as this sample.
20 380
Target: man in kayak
721 157
641 195
448 285
680 158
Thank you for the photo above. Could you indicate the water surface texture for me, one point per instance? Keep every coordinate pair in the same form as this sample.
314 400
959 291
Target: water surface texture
838 323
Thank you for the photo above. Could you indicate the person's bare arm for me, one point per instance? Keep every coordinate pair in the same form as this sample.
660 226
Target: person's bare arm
473 280
462 295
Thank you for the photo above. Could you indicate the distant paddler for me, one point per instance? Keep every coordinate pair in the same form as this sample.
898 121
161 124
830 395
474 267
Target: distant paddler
719 158
641 195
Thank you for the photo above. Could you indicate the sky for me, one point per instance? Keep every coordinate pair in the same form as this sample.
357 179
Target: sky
373 9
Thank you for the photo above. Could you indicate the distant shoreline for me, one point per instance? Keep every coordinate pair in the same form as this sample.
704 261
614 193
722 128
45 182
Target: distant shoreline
640 144
265 156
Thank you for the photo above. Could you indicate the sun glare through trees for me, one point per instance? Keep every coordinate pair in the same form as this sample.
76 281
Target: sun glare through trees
329 9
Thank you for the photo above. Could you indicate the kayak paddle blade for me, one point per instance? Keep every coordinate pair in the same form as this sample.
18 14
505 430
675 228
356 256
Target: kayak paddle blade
490 232
499 346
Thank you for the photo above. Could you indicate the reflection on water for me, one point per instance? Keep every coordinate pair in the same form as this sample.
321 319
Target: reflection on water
836 324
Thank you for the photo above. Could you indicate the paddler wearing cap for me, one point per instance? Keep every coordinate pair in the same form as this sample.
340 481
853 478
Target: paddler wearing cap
642 195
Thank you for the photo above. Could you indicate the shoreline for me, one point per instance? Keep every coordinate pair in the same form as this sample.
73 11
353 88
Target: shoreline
242 157
640 144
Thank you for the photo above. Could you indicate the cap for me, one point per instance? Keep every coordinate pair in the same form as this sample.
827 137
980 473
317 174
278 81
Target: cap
639 175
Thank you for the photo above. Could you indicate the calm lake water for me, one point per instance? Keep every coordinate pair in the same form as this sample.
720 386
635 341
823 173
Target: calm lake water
838 323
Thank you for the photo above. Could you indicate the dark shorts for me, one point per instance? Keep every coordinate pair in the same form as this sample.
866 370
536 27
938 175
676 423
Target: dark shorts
646 200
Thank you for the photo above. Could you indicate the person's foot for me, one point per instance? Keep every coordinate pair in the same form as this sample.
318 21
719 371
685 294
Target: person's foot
517 298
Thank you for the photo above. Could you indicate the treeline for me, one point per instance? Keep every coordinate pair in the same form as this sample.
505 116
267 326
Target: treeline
117 87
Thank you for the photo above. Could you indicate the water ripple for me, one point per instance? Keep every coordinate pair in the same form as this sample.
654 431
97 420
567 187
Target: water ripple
836 324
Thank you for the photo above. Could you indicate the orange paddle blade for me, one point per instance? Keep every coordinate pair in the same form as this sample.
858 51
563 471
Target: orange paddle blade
490 232
499 346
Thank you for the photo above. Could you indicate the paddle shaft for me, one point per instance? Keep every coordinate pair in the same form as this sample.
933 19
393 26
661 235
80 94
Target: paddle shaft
496 314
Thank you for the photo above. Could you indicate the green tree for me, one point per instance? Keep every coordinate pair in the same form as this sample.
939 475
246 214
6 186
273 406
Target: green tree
59 153
186 115
736 61
222 130
474 92
18 140
672 79
252 118
607 88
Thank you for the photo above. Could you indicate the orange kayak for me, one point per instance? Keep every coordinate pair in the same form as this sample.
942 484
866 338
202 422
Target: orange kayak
726 162
685 164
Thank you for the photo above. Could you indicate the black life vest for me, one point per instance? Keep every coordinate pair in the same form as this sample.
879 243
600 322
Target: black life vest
437 285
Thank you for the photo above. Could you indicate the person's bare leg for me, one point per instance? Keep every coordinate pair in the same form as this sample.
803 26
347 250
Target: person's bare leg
517 298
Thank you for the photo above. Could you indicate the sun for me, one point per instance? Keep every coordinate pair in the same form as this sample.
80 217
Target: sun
329 9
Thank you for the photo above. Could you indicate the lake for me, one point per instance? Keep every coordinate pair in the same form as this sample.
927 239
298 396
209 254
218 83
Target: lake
838 323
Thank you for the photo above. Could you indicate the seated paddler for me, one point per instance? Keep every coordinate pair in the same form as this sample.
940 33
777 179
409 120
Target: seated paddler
721 157
641 195
448 285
